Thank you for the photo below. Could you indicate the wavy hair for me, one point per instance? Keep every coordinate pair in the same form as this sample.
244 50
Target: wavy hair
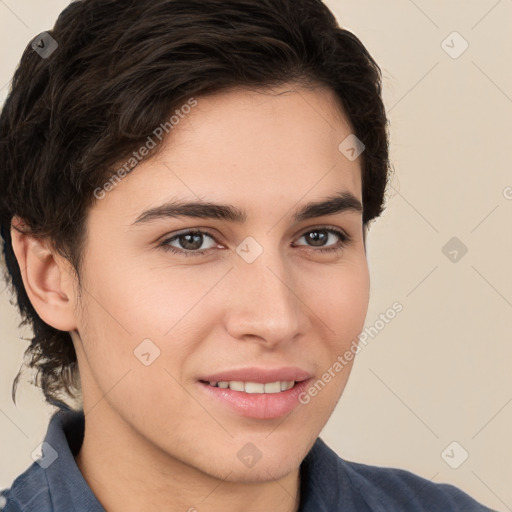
120 68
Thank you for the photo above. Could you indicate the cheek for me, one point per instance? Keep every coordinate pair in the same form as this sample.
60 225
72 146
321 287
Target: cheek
147 301
339 297
128 366
144 321
342 309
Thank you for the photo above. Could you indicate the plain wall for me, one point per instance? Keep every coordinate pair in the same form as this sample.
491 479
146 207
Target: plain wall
438 372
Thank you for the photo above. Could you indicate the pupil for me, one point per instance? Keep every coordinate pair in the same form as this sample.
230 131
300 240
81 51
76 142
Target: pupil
317 236
190 245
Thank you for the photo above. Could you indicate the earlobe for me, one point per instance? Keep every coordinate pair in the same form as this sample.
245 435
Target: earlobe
46 280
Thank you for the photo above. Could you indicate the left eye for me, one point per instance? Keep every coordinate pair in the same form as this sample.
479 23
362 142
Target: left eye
191 241
318 235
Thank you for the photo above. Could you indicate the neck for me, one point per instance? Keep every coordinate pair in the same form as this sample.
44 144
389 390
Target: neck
127 472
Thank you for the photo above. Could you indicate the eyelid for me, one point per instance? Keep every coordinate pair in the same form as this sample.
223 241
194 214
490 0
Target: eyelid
188 231
326 227
344 237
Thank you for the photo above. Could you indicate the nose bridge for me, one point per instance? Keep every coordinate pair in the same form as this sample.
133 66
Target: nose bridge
266 303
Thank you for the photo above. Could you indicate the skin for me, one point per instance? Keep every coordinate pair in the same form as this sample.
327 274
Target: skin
153 440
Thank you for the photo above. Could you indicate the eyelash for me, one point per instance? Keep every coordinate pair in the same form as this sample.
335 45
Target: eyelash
344 240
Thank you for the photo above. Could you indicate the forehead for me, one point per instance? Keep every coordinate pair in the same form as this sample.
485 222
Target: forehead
255 148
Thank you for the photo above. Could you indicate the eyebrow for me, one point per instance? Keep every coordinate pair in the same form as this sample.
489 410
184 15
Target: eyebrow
340 202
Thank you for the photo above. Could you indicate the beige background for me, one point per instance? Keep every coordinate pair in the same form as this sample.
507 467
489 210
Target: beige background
440 371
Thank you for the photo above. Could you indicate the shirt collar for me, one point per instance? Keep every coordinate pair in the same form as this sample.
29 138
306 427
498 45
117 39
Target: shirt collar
67 486
320 490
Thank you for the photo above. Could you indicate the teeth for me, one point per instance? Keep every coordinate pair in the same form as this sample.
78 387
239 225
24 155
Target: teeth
273 387
287 385
236 385
255 387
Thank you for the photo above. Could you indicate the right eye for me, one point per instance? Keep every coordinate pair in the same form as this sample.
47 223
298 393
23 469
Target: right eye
190 241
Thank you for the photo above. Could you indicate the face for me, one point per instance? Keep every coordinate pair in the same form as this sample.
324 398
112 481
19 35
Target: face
173 304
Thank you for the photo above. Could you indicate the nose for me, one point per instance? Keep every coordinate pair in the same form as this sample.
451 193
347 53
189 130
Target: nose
266 301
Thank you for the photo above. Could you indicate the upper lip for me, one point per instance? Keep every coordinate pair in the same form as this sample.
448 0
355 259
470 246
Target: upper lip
259 374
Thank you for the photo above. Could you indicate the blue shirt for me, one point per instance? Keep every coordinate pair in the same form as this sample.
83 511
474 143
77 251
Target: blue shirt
328 483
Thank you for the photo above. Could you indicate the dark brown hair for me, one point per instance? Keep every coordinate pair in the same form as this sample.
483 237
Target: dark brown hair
120 69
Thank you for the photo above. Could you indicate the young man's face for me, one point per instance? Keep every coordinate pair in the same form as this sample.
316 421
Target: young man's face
262 295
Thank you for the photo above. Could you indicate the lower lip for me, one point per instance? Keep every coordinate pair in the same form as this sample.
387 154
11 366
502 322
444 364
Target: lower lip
258 405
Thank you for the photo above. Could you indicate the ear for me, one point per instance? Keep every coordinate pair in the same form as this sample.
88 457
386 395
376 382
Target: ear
47 277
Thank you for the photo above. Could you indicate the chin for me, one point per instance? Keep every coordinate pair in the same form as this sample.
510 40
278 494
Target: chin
268 472
252 465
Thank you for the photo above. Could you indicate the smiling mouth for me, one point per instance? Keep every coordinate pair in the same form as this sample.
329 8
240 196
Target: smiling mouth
263 400
253 387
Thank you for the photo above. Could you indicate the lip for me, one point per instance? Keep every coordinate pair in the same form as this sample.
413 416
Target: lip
259 374
257 405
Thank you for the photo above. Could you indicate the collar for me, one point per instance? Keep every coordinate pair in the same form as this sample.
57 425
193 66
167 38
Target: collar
323 479
67 487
